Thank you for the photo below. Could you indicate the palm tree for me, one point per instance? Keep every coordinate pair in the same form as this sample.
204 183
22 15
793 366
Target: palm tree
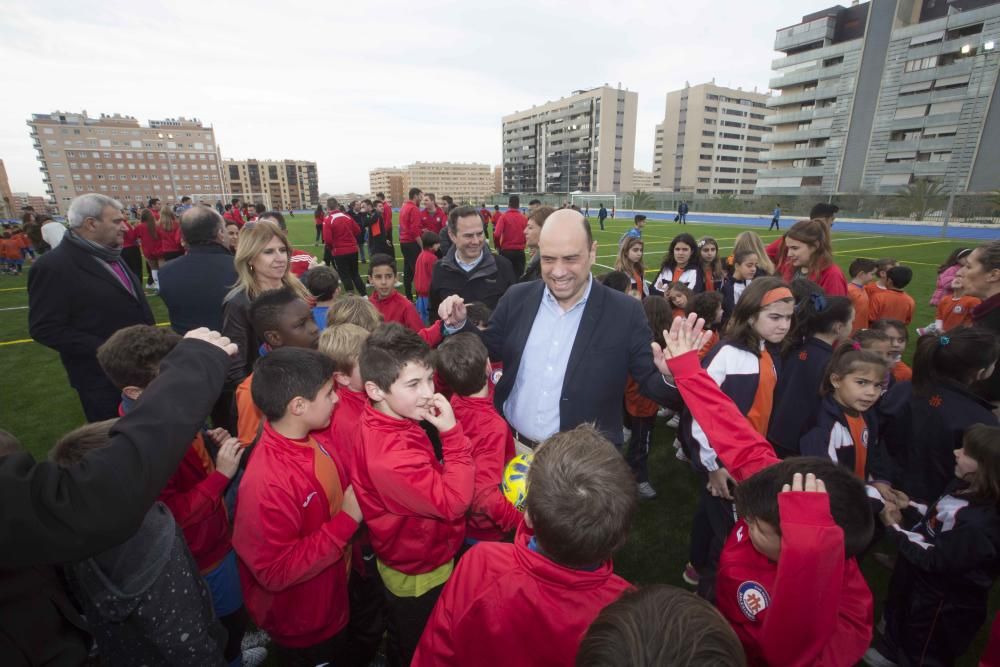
921 197
641 200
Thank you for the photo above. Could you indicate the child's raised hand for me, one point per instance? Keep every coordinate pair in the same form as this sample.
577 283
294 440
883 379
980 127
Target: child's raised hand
809 485
228 460
686 334
440 414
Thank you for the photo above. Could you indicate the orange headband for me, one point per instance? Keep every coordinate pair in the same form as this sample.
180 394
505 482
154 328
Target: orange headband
777 294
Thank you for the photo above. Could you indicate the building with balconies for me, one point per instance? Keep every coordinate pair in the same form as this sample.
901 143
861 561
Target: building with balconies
876 95
278 184
711 141
584 142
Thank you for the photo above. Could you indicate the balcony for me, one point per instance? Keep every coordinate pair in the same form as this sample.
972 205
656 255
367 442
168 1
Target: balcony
794 154
799 135
797 116
818 93
818 30
785 172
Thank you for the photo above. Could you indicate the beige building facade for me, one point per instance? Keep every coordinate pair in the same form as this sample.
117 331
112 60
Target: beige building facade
466 182
389 181
642 180
7 209
116 156
584 142
278 184
711 141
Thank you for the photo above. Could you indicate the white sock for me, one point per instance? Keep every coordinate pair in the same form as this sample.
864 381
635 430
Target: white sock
156 276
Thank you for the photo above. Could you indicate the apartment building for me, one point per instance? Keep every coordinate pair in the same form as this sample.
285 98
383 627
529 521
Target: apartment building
7 208
466 182
389 180
878 94
711 140
584 142
642 180
116 156
278 184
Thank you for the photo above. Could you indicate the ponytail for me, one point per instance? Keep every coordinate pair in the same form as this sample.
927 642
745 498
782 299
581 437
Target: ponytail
817 313
958 356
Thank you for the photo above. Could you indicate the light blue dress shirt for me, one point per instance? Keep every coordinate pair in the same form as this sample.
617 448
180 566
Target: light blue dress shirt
468 267
532 408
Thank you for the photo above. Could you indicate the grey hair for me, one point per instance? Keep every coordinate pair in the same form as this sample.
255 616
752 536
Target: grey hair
90 205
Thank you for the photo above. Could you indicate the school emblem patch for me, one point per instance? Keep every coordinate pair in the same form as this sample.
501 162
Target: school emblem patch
752 599
495 376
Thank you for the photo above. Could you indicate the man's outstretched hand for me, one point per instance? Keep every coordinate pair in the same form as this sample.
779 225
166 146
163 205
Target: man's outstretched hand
684 335
213 338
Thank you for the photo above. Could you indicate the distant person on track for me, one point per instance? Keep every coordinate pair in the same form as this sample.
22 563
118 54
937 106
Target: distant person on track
602 215
775 218
682 213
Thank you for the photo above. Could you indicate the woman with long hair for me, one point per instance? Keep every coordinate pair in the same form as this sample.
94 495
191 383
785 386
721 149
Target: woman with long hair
148 233
808 253
749 242
630 263
262 263
170 234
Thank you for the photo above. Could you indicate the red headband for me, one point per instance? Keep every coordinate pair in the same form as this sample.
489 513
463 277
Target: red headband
777 294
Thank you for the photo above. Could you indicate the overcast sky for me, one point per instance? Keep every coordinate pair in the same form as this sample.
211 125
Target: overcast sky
356 85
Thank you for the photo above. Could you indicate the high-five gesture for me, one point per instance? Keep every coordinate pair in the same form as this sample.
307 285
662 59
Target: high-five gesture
685 335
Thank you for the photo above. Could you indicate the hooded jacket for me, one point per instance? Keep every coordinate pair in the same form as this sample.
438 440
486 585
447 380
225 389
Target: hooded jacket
486 283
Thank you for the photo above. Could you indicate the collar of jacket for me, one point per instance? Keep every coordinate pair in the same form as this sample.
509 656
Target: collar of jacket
486 267
541 566
212 248
383 422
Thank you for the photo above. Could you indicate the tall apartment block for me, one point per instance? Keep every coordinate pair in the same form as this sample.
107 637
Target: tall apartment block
390 181
278 184
711 141
876 95
114 155
584 142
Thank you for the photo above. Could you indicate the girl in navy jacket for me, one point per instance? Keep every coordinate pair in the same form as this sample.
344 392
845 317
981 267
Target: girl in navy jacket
922 421
948 562
744 270
821 323
681 264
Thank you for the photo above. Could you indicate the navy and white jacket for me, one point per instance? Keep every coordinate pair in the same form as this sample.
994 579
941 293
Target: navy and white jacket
732 290
920 433
693 277
830 437
737 372
797 398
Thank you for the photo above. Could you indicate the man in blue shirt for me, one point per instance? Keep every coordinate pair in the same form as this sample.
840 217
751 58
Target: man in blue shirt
636 231
776 218
601 216
682 213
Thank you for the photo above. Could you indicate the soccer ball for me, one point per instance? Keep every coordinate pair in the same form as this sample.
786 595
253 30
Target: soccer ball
515 480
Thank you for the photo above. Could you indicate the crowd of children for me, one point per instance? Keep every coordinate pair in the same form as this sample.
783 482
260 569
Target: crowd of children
359 507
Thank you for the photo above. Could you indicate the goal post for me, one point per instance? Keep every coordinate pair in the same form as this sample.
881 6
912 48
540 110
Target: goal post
590 201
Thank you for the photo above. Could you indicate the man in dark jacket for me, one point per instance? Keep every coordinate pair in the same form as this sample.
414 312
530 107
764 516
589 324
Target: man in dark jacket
82 292
469 269
194 286
58 515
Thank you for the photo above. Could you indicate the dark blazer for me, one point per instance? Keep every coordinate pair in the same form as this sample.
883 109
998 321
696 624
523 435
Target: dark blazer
75 304
193 287
613 342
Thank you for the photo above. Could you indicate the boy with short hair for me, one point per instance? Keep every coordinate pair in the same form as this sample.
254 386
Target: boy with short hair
131 359
532 601
414 505
324 284
636 230
282 319
788 580
881 266
862 272
296 512
393 306
143 599
431 243
893 303
464 365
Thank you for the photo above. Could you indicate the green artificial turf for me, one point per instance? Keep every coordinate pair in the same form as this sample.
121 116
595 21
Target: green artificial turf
38 406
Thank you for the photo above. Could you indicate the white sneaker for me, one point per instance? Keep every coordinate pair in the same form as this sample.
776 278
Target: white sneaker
627 433
255 639
679 451
664 412
674 421
254 657
875 659
646 491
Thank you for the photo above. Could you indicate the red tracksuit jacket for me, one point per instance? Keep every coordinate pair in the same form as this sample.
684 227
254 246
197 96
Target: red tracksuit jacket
491 516
812 607
340 233
433 222
507 604
409 223
509 233
291 551
171 241
397 308
414 506
150 243
423 272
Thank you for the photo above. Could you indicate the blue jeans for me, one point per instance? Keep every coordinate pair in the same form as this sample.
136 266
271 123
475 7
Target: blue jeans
423 308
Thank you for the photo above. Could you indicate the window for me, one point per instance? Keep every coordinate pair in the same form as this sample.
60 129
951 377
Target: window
711 109
894 180
945 107
911 112
830 62
920 64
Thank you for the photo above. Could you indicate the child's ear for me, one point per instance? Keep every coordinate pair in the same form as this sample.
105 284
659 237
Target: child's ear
272 338
341 379
374 392
297 406
132 393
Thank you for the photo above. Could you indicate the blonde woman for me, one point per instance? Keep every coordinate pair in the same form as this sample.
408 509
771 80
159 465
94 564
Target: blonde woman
170 234
262 264
748 242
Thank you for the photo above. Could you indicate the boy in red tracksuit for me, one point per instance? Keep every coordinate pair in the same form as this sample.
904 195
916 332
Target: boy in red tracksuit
464 365
393 306
131 359
342 343
509 237
414 505
788 581
297 512
531 602
431 243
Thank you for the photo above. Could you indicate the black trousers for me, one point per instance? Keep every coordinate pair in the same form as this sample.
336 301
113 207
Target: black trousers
99 399
637 454
328 651
405 619
713 520
347 267
366 595
516 258
236 626
410 253
319 233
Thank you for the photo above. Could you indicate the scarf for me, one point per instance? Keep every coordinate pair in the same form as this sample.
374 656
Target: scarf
97 250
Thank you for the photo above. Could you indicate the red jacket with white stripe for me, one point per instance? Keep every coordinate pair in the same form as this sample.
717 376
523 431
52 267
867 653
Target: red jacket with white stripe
409 223
507 604
292 552
414 505
340 233
509 233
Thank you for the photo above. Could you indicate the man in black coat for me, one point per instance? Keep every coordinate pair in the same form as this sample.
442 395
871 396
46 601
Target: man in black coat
82 292
469 269
576 340
194 286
